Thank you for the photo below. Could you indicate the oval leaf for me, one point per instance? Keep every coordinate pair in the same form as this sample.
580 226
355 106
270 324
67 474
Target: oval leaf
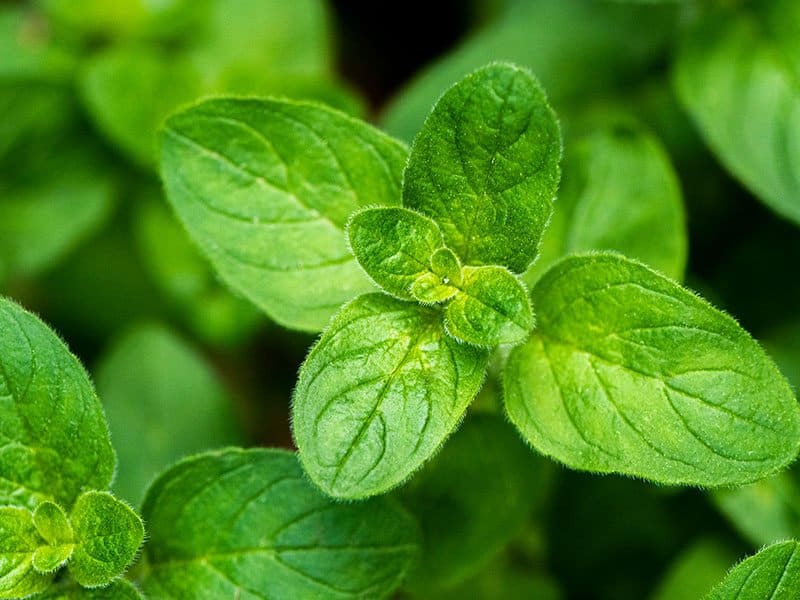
107 535
18 543
52 524
48 559
379 393
491 307
394 246
53 436
630 373
484 166
265 188
249 522
738 76
773 573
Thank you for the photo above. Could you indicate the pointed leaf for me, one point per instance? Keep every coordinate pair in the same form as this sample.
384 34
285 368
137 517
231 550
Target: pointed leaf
53 435
738 76
491 307
249 522
485 167
18 542
107 535
394 246
265 188
628 372
773 573
379 393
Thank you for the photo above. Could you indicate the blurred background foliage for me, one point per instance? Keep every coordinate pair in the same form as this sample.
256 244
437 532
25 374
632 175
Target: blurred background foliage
88 242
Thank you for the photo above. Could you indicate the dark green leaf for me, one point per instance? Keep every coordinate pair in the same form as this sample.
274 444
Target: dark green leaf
379 393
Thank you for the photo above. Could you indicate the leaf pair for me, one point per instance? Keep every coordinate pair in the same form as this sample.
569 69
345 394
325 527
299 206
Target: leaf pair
404 253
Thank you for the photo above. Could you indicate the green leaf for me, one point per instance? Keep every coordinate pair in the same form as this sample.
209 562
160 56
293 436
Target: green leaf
18 542
773 573
738 76
265 188
129 92
379 393
394 246
695 571
249 523
630 373
52 524
53 436
491 307
471 500
619 192
484 166
442 281
107 535
163 402
119 589
763 511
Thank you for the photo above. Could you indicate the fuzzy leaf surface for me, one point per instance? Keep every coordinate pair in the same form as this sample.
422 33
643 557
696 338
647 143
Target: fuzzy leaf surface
119 589
379 393
738 76
54 440
773 573
619 192
491 307
53 526
248 524
18 543
394 246
628 372
485 167
265 188
107 535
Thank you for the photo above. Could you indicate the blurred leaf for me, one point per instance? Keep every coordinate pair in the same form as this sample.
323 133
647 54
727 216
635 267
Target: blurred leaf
471 500
695 571
738 75
187 281
162 402
619 192
560 41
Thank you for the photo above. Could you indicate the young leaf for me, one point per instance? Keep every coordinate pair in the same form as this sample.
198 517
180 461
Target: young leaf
619 192
379 393
485 167
53 526
773 573
265 187
249 523
630 373
119 589
394 246
107 535
491 307
18 542
53 436
737 76
471 500
163 402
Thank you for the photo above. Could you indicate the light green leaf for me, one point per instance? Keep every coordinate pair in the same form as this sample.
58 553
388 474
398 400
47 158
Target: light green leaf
53 526
18 541
247 523
491 307
163 402
48 559
471 500
394 246
619 192
773 573
265 187
379 393
445 264
695 571
763 511
442 281
119 589
628 372
107 535
484 166
53 436
129 92
738 76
